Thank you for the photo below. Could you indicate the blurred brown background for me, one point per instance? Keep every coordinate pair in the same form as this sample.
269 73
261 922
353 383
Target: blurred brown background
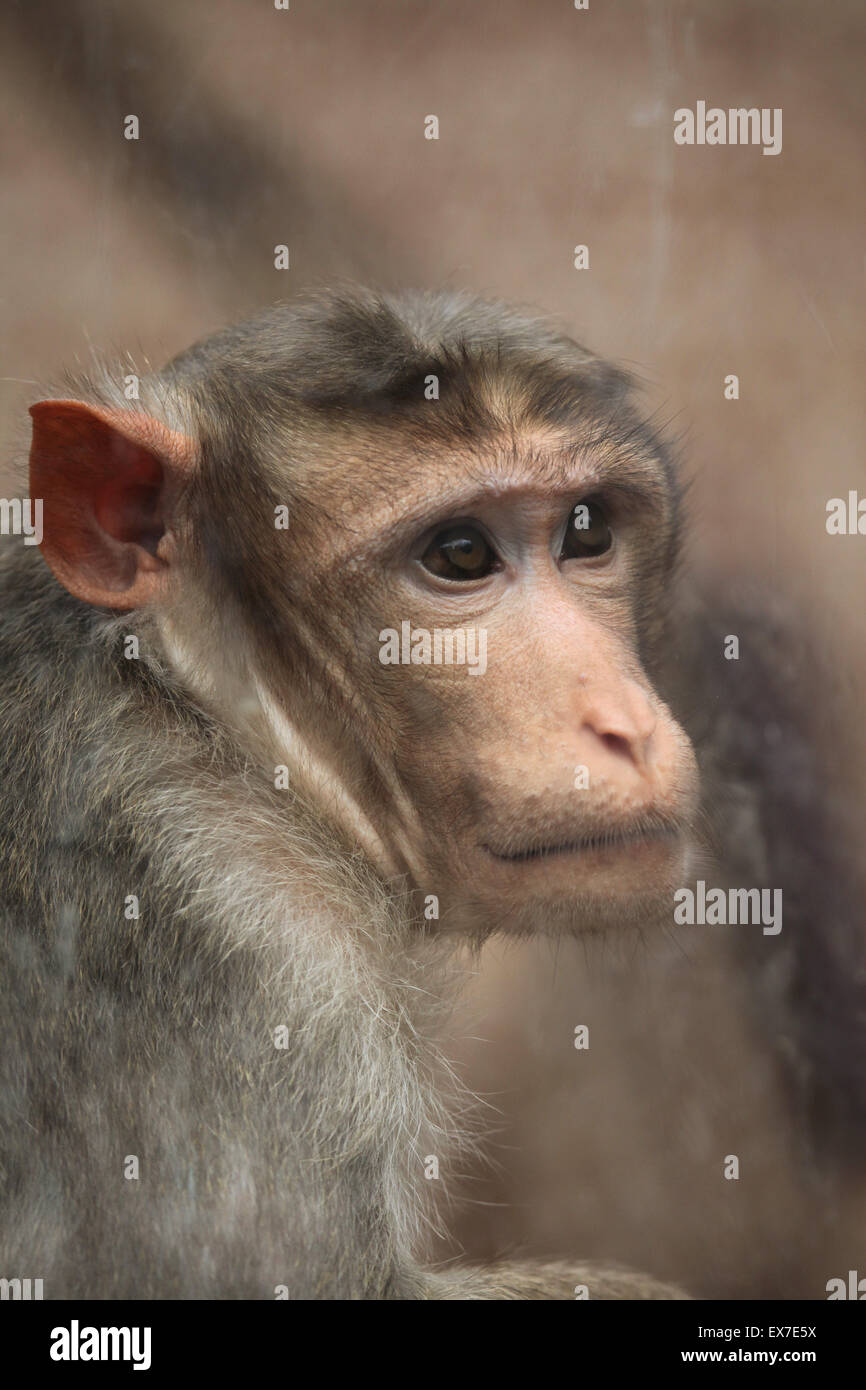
260 126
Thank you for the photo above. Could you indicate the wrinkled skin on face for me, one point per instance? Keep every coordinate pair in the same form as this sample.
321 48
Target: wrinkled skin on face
538 783
541 783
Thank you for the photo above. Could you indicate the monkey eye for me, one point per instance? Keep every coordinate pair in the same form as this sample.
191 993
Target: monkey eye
460 552
587 533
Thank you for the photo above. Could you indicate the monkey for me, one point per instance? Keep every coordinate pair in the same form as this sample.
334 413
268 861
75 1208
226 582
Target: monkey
345 648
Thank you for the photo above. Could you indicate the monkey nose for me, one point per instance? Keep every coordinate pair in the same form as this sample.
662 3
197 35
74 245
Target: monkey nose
625 726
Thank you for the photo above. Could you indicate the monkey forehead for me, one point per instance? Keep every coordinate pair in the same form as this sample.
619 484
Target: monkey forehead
380 487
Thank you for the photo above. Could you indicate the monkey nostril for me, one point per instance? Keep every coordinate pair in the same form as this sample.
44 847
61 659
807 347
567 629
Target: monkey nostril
634 747
616 743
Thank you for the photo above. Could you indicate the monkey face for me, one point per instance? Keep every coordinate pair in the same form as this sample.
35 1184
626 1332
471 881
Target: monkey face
448 643
534 777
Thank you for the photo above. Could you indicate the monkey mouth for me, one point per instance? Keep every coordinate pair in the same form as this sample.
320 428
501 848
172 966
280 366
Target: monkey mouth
601 842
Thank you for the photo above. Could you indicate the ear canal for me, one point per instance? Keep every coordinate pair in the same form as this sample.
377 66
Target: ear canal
107 480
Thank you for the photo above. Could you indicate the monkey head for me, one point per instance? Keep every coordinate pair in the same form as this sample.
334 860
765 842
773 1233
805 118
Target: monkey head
414 549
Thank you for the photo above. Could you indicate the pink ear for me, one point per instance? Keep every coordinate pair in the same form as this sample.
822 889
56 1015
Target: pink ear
106 479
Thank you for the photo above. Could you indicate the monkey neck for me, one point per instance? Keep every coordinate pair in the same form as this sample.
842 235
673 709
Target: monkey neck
223 677
261 903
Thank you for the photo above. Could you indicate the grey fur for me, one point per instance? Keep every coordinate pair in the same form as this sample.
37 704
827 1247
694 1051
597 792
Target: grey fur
259 1167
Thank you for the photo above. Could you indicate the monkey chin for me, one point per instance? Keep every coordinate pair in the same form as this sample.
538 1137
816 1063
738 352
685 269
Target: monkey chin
584 890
